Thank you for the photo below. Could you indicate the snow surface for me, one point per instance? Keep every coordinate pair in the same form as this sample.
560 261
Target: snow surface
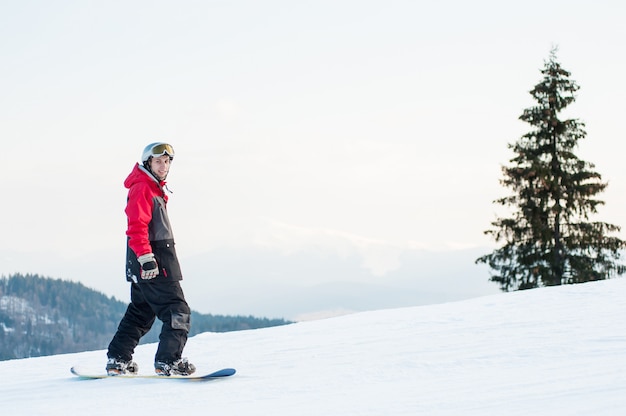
550 351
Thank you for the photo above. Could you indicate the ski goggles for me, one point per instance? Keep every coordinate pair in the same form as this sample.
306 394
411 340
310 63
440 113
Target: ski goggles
161 149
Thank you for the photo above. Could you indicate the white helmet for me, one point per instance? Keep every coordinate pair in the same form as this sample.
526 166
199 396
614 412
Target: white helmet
157 149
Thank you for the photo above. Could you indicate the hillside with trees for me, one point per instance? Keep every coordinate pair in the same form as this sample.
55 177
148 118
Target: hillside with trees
42 316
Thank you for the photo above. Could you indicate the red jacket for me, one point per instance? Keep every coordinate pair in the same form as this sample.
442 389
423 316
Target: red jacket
149 229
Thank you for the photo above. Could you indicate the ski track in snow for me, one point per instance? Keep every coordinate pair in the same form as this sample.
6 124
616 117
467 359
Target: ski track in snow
549 351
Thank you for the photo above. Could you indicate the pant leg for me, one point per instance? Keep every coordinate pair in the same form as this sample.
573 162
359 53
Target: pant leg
136 322
168 302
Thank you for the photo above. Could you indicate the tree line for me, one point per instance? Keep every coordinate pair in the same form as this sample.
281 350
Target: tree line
43 316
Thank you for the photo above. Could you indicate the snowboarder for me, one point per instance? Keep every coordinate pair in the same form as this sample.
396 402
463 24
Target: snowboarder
154 272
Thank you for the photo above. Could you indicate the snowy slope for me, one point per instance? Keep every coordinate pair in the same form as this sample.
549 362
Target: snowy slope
551 351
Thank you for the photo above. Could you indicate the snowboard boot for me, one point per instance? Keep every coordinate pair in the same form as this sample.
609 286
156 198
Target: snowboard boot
180 367
116 367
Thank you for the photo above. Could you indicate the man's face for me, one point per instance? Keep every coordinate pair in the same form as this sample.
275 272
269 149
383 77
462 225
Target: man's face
160 166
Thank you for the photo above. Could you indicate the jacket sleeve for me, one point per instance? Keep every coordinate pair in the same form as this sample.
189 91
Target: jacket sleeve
139 213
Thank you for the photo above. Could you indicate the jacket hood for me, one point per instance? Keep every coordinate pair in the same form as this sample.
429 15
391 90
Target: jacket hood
141 174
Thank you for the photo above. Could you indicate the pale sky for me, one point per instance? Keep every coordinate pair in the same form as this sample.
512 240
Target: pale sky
358 128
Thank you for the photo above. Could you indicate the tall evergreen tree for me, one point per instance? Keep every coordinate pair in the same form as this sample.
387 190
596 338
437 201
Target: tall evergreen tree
549 238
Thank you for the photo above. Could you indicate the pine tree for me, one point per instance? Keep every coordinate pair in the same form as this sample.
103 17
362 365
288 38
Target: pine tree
549 239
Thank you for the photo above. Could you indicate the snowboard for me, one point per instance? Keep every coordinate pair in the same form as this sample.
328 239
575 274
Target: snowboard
224 372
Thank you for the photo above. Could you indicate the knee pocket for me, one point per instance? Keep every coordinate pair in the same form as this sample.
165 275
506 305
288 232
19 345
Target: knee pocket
180 320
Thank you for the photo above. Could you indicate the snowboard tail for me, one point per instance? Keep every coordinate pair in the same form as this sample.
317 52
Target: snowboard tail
224 372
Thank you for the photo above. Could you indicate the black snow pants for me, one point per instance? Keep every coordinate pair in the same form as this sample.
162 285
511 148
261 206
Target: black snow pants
161 299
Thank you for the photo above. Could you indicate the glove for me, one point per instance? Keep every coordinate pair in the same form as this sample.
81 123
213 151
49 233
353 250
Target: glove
149 267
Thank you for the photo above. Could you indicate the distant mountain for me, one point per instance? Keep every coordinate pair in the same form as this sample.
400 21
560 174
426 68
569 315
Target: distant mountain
42 316
316 281
311 279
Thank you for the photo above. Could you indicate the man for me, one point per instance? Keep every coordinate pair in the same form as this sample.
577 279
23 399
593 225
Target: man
154 272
